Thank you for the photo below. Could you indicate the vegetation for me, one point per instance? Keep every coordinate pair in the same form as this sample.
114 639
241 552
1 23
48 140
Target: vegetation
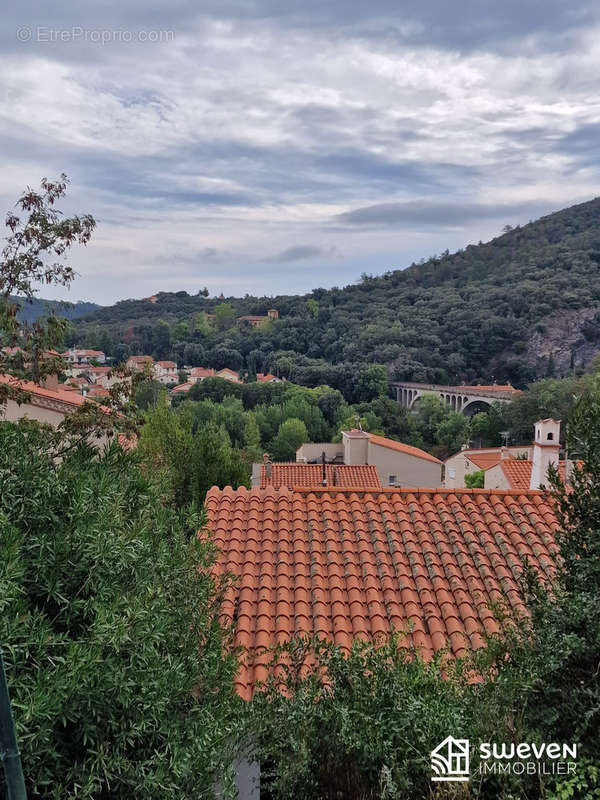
467 316
108 625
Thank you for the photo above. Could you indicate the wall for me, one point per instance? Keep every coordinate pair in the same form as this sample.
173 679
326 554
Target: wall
13 412
409 470
495 478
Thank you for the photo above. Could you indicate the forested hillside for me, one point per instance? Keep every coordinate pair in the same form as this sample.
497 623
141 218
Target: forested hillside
29 312
523 305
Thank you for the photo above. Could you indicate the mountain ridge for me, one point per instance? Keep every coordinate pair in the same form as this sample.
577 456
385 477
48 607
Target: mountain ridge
467 315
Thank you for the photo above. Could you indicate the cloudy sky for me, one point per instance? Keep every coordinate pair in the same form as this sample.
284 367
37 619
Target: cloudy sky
269 146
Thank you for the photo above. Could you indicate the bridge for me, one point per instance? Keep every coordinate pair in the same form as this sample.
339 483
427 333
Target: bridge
467 400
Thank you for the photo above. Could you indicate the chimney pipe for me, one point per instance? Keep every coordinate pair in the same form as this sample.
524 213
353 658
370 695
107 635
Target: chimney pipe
324 469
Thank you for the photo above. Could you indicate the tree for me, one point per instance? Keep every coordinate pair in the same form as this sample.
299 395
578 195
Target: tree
181 332
161 340
252 437
372 382
148 393
194 355
291 434
108 621
34 253
185 460
312 307
452 432
224 316
475 480
430 412
106 344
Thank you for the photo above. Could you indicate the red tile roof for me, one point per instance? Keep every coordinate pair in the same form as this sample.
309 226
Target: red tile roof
65 396
486 460
182 387
518 472
201 372
167 364
381 441
350 564
306 475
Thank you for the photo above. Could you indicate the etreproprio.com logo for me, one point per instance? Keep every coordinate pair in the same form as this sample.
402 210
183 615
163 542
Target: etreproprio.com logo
450 759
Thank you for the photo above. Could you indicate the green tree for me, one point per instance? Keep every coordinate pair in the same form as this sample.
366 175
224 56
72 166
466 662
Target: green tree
291 434
372 382
312 307
38 240
181 332
475 480
148 393
430 413
252 437
224 316
161 340
108 625
186 460
452 432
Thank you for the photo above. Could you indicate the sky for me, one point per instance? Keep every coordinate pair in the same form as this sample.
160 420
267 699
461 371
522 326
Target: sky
275 146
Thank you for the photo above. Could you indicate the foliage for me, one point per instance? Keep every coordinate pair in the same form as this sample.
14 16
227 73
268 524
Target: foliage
34 253
148 393
108 626
184 459
291 434
475 480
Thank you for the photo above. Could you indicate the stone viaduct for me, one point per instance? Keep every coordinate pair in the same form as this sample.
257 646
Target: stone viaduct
467 400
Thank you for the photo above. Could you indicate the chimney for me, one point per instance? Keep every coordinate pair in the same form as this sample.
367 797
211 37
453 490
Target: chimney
546 447
268 465
504 453
324 469
356 447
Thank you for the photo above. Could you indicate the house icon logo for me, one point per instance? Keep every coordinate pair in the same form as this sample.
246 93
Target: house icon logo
450 760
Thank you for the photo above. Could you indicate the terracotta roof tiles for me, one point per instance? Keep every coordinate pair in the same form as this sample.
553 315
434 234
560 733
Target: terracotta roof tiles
353 563
518 472
363 476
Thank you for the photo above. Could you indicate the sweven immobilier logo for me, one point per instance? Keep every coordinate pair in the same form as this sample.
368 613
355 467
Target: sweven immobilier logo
450 759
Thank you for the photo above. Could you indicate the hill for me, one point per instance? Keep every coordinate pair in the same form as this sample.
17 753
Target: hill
522 305
29 312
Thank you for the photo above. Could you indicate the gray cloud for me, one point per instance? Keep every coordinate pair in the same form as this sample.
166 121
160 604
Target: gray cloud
432 213
302 252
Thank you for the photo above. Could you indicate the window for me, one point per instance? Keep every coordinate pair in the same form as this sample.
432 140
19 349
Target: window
392 480
452 473
550 437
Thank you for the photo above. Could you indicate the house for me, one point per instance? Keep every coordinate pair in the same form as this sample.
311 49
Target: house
467 461
397 464
228 375
77 355
49 404
343 563
257 320
165 372
138 363
532 473
196 374
268 378
296 474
